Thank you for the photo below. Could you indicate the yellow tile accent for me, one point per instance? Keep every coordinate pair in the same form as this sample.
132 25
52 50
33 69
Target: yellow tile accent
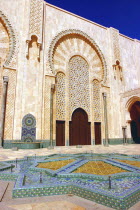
55 164
99 168
130 162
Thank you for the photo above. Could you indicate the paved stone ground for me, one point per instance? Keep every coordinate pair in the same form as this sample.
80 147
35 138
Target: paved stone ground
61 202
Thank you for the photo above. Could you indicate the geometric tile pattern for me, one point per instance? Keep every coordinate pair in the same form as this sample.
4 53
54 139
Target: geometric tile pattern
99 168
46 122
28 128
36 12
54 165
116 46
4 41
12 40
121 191
60 96
78 84
96 101
130 162
10 104
75 42
4 49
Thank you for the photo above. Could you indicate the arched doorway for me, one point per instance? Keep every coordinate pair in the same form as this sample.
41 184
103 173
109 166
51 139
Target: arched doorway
79 127
135 123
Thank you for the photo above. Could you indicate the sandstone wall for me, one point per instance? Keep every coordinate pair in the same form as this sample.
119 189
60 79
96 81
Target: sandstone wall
31 79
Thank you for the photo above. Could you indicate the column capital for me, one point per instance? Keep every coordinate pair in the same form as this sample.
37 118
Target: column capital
0 61
124 127
5 79
52 87
104 95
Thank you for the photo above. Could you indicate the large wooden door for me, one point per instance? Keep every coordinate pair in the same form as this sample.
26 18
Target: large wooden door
97 128
134 132
60 133
80 128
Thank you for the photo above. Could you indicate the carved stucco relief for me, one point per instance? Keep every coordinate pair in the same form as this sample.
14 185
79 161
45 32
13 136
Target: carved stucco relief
10 104
36 18
79 58
60 96
96 101
75 42
7 38
78 84
116 45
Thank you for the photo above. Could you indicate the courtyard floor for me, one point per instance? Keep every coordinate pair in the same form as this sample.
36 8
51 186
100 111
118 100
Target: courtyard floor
59 202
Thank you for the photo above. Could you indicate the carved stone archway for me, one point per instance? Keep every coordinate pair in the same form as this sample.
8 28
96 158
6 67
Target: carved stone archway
12 38
132 123
74 34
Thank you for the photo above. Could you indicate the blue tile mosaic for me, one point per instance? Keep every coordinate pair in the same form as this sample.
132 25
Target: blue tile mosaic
31 181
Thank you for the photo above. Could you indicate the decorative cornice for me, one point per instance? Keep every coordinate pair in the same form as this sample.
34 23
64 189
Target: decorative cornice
11 37
78 32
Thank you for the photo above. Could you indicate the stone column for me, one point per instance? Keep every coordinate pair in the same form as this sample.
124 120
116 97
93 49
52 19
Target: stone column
3 108
124 134
105 119
51 117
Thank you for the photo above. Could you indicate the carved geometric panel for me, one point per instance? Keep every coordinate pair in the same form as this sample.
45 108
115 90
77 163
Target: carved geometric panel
4 41
36 15
4 50
60 96
46 131
78 84
116 46
9 37
10 104
28 128
74 44
96 101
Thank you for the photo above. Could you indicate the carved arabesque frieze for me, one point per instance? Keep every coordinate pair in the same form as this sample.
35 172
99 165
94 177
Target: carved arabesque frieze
117 68
4 42
96 101
60 96
36 18
35 27
74 32
11 57
78 85
46 130
10 103
116 44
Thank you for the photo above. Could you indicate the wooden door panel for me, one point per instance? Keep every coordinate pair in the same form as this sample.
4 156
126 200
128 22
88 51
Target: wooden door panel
97 128
79 128
89 134
70 133
60 133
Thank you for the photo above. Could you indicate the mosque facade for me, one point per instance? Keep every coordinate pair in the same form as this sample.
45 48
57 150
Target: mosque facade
65 80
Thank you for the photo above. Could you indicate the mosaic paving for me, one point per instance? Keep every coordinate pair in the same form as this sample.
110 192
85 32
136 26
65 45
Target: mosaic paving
98 168
109 179
54 165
